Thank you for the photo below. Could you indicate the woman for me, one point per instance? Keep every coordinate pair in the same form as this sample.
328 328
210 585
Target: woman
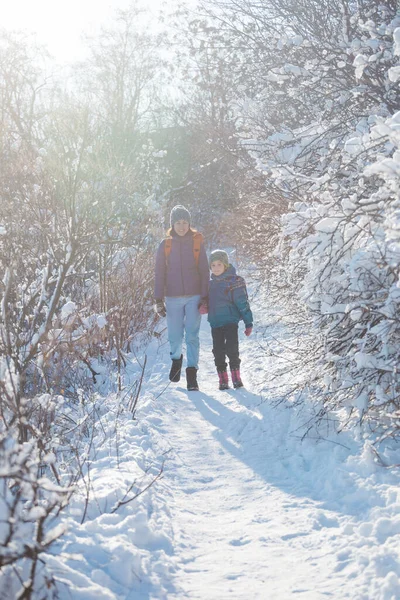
181 278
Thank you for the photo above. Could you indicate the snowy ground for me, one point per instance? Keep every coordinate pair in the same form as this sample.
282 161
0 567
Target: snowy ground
244 509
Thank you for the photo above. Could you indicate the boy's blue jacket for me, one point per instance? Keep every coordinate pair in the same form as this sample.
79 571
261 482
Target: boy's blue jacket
227 300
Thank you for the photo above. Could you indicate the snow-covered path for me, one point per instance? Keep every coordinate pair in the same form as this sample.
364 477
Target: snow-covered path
254 510
245 508
237 532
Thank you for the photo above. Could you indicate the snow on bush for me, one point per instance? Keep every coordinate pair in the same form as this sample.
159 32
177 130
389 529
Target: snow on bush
336 159
30 503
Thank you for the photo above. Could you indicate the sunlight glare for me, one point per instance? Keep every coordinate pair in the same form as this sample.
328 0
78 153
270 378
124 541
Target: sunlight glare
59 25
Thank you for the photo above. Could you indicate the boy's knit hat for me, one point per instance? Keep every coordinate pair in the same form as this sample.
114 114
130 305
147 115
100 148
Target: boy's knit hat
219 255
179 213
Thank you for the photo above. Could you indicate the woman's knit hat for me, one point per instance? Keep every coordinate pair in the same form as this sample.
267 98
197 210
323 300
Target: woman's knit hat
219 255
179 213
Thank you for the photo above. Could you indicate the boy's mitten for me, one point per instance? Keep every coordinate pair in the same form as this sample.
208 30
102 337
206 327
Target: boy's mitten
248 330
159 307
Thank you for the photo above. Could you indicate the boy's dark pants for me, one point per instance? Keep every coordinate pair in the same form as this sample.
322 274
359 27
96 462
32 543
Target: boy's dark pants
226 344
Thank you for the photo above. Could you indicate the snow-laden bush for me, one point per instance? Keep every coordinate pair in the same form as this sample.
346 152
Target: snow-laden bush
30 503
349 254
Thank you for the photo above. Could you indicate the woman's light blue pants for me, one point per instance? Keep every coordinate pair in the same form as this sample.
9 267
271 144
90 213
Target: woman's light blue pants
183 317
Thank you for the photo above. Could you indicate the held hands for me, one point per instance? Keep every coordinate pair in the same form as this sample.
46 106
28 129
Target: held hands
159 307
203 306
248 331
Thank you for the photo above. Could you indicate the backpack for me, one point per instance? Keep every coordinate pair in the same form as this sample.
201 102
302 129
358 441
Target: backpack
198 239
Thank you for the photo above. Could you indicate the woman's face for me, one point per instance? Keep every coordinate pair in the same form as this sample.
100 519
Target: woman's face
181 227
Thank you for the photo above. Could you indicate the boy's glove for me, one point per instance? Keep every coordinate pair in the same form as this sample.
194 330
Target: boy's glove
203 306
159 307
248 330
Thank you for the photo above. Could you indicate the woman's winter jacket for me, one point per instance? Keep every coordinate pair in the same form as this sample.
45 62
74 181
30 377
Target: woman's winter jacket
179 275
227 300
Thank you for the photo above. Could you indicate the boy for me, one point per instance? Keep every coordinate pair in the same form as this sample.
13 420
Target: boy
228 303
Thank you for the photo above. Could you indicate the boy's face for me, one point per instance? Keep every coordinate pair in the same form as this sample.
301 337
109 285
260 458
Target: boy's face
181 227
217 267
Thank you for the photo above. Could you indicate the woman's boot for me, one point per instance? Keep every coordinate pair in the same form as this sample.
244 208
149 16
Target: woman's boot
175 372
191 378
223 380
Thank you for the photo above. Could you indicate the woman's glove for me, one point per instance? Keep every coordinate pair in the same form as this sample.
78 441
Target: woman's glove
159 307
248 330
203 306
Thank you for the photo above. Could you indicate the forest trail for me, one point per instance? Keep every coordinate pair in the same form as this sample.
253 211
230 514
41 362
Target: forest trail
243 528
236 504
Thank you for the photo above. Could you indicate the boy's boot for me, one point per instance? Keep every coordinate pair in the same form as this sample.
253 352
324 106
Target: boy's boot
236 380
191 378
175 372
223 380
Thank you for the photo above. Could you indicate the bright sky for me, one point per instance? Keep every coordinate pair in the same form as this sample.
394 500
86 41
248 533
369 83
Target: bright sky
59 25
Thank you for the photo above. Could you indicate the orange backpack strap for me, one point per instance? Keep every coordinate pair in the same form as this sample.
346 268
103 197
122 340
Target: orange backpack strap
167 247
198 239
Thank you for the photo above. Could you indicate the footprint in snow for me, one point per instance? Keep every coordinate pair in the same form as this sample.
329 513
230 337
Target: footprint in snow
205 479
240 542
